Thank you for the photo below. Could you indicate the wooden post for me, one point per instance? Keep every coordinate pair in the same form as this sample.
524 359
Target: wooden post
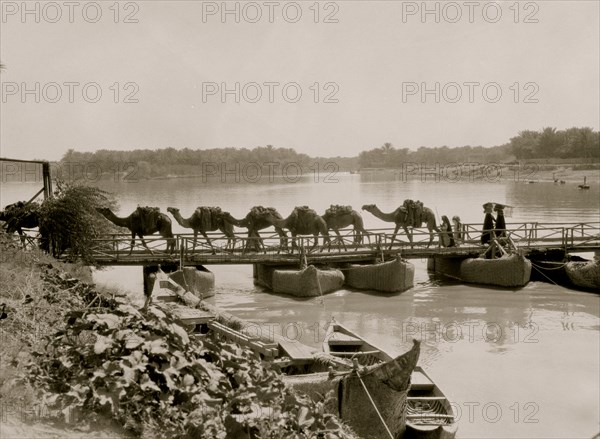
47 179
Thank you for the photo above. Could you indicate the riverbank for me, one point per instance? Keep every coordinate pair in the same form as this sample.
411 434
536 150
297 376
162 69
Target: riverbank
76 356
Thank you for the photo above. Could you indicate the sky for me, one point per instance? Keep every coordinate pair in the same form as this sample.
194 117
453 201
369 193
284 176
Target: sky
324 78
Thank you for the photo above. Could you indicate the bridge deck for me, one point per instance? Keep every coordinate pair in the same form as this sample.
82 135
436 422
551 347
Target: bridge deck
527 237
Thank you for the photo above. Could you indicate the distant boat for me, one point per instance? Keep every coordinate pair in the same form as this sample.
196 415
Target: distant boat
584 185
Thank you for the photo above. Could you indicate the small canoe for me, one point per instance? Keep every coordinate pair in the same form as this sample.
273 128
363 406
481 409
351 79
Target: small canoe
342 342
371 399
429 413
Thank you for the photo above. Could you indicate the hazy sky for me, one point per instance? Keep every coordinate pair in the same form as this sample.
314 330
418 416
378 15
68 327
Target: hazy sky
375 61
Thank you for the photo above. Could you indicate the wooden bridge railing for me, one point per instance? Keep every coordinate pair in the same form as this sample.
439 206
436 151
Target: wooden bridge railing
571 236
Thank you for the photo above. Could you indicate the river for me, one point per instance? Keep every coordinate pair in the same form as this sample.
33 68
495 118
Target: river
521 363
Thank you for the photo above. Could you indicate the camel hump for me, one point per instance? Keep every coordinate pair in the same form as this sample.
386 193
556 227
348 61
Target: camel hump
301 210
338 209
261 211
150 217
210 217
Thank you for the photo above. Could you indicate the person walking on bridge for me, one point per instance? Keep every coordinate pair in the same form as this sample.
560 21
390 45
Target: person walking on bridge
488 224
500 228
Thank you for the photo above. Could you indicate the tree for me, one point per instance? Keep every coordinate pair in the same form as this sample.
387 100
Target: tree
69 220
525 144
549 143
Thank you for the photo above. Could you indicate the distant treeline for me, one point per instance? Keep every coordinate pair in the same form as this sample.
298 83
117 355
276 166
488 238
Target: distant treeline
170 162
574 143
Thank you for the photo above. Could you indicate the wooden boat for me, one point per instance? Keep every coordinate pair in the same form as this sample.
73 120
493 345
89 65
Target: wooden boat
585 274
429 413
389 277
305 282
342 342
198 281
510 270
372 399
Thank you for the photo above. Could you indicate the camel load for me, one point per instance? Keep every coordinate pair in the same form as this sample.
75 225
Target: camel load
148 216
209 217
388 277
414 212
338 210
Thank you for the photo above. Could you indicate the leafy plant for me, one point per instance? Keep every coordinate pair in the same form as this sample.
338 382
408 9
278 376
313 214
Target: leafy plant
150 375
69 220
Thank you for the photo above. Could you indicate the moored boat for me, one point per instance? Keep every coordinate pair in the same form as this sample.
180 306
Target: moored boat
510 270
429 413
585 274
198 281
389 277
372 399
342 342
305 282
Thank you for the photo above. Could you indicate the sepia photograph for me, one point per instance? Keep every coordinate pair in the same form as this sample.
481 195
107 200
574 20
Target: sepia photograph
310 219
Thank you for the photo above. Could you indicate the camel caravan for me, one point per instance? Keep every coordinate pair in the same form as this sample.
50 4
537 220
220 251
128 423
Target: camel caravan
384 276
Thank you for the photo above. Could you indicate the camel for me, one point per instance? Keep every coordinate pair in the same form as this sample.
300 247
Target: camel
400 217
19 216
257 219
339 217
143 221
205 219
303 221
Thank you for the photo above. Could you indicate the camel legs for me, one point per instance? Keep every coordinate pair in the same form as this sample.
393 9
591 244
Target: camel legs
143 243
254 240
396 232
338 238
431 229
208 240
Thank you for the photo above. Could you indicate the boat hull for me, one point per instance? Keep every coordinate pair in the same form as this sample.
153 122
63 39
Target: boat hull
508 271
584 274
387 384
307 282
198 281
388 277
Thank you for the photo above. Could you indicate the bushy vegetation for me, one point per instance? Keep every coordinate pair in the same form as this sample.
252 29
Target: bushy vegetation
69 220
94 357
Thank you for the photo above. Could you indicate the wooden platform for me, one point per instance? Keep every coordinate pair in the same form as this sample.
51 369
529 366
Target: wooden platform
186 316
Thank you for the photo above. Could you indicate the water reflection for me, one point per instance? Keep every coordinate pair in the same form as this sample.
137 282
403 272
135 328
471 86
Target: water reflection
539 344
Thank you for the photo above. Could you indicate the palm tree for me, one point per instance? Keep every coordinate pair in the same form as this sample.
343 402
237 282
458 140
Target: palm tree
387 148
